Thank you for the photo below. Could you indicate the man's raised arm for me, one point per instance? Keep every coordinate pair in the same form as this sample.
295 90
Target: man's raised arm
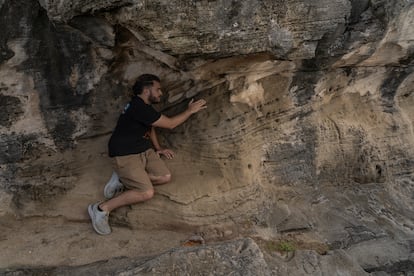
172 122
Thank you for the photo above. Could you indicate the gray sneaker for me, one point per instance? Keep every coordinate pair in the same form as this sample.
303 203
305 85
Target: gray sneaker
99 219
113 187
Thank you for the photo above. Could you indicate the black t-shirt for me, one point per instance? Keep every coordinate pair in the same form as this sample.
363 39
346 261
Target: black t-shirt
132 132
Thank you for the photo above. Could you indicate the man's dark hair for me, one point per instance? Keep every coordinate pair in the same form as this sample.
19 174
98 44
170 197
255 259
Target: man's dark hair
145 80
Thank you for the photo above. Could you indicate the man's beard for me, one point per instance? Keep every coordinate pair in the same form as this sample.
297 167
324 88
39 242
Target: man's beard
153 99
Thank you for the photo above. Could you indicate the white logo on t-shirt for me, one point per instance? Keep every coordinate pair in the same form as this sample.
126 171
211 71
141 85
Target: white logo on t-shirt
125 108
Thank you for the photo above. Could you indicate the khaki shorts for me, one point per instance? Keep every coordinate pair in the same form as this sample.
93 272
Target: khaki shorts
133 170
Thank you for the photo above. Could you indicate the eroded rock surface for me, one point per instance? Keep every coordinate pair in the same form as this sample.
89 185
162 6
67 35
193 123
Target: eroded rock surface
308 135
239 257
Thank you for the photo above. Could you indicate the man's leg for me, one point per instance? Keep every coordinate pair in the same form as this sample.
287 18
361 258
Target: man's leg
126 198
131 170
156 168
132 173
158 180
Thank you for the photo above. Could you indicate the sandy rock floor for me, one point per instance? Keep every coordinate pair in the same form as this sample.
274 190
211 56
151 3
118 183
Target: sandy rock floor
55 241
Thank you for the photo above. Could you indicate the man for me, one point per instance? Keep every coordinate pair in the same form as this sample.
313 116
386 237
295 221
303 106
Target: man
131 148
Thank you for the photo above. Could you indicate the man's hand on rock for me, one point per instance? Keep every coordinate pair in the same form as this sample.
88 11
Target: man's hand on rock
169 154
195 107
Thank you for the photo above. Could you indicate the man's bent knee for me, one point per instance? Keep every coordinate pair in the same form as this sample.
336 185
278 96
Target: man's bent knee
160 179
165 178
148 194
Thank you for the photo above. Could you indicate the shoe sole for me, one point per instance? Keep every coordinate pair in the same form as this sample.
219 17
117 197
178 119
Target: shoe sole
106 192
90 211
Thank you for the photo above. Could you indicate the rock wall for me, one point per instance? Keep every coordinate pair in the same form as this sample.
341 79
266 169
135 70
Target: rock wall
308 136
